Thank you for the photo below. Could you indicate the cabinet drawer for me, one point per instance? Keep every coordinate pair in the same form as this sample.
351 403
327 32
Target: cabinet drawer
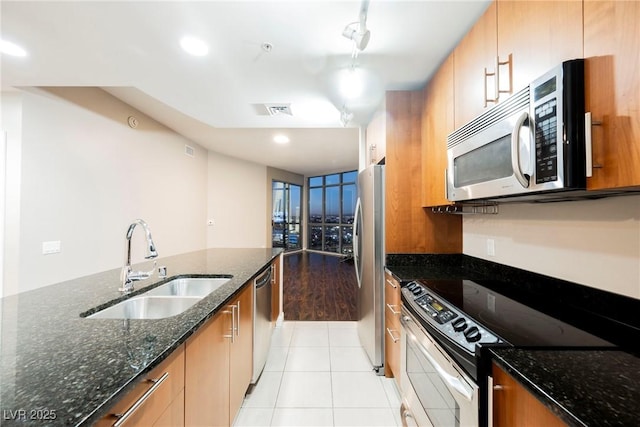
150 399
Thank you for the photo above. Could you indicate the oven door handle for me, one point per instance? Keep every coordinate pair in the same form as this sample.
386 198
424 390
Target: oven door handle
454 382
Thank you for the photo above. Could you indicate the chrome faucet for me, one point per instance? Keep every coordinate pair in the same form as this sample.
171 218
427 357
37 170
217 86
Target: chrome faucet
127 276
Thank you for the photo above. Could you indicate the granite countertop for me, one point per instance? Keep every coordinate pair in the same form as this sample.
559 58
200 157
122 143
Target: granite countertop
586 386
74 369
583 387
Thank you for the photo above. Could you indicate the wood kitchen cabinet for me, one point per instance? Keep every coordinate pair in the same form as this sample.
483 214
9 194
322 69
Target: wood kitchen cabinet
477 51
437 123
218 364
161 395
513 43
410 228
392 327
241 352
612 53
539 35
513 405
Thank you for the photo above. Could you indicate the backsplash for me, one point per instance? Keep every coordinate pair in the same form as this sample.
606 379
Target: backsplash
593 242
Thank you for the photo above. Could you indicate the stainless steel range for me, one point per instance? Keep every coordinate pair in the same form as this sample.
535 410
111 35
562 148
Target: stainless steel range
446 323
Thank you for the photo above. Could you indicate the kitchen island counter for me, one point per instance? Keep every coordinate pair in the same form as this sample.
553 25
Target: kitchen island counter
58 368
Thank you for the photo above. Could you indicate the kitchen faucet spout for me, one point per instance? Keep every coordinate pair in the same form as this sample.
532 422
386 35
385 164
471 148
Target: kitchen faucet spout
128 276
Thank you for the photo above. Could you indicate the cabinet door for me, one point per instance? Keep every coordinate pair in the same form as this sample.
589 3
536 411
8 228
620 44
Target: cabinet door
513 405
437 123
539 35
165 395
612 52
207 373
241 356
477 51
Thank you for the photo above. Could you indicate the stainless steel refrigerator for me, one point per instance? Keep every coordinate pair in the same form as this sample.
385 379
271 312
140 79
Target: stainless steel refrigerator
369 262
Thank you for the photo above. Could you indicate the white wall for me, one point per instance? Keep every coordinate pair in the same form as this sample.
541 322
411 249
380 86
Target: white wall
85 175
595 243
237 198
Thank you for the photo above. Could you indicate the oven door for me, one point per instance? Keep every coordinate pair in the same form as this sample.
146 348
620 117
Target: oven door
435 391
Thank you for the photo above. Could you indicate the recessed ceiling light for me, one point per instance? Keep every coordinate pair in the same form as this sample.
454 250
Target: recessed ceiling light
281 139
194 46
11 49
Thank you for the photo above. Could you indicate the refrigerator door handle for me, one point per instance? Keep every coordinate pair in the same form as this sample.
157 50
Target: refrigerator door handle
356 242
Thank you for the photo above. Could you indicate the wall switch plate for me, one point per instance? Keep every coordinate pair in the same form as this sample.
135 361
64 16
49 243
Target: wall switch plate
52 247
491 247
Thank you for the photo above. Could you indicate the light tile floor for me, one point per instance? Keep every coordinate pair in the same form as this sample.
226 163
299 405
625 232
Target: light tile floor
317 374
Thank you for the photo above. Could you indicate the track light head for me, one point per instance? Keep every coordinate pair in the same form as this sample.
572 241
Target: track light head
360 35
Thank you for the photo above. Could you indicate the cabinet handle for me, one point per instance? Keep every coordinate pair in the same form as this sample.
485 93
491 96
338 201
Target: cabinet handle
487 100
588 143
392 310
390 332
233 323
122 418
238 321
499 63
393 285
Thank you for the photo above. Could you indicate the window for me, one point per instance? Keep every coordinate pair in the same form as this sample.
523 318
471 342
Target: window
286 216
332 204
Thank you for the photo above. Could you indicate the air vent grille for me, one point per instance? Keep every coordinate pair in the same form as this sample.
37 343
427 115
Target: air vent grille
517 102
276 109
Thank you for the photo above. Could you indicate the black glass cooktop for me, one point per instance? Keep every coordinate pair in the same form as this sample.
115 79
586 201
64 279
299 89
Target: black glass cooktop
520 319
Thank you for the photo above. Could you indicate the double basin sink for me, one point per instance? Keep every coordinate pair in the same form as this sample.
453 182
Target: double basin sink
166 300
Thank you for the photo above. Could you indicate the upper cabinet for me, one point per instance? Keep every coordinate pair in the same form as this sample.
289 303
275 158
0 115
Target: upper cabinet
475 60
612 52
538 35
410 228
513 43
437 123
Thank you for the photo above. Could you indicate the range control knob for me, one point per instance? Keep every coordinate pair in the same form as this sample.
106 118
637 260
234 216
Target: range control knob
417 290
411 286
459 325
472 334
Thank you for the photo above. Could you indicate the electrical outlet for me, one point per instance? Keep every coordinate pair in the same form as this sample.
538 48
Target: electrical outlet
51 247
491 303
491 247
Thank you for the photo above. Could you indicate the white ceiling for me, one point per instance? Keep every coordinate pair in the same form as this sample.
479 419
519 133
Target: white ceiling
131 49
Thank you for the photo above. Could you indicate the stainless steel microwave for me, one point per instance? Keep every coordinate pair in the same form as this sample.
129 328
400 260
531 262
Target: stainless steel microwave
530 144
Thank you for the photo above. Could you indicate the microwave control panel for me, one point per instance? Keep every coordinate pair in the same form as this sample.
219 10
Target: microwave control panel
546 137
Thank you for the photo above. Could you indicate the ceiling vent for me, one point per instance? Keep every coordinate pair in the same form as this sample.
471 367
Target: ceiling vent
276 109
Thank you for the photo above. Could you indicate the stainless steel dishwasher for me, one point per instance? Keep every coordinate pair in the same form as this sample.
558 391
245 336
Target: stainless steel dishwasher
262 325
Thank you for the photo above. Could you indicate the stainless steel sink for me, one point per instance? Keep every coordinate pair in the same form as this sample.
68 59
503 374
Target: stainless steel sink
189 287
147 307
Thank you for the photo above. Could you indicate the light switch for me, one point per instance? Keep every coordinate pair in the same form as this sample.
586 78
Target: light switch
52 247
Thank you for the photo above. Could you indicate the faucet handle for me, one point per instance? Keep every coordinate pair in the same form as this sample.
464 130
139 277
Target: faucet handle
140 275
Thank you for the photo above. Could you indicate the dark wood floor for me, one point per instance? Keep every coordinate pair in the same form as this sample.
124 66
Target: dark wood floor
319 287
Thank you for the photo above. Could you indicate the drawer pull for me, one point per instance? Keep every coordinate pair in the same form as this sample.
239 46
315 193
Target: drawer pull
390 332
393 285
392 310
122 418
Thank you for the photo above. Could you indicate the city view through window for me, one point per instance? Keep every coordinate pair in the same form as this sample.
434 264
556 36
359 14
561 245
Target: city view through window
332 204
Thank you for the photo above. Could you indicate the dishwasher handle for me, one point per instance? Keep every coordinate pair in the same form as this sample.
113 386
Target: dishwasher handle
264 279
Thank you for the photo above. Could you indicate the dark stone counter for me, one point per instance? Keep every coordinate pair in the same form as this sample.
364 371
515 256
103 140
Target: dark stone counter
55 362
582 387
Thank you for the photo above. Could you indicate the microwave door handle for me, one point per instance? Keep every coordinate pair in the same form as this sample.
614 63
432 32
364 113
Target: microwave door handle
515 150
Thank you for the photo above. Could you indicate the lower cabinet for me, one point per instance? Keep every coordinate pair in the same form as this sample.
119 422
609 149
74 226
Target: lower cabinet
513 405
156 401
218 366
392 327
